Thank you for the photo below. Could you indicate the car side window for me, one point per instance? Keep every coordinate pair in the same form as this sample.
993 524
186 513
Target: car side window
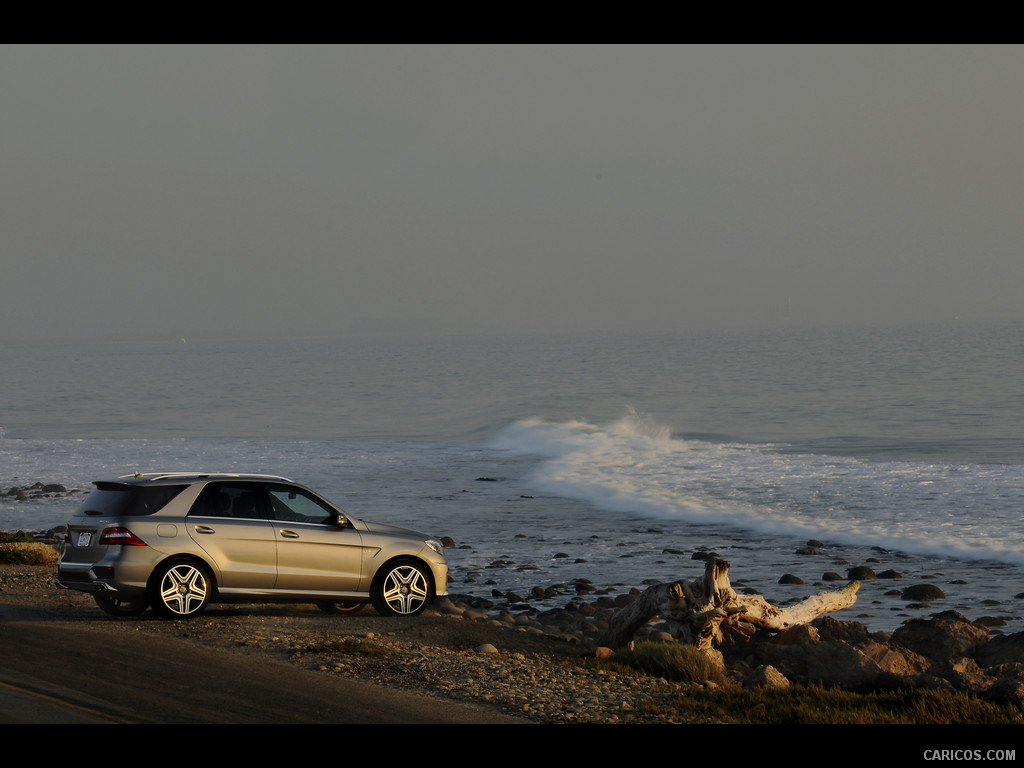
294 505
228 500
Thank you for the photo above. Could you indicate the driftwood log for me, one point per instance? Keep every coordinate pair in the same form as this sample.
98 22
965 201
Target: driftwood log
707 612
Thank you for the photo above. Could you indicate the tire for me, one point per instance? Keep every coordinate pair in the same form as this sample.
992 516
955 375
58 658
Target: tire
402 588
181 589
340 609
115 606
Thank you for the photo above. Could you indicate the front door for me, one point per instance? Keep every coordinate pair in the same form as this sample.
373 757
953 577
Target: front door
314 554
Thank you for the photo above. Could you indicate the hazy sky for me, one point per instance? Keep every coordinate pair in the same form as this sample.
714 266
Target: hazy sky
206 191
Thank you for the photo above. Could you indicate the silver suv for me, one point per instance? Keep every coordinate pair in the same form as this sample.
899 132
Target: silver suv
179 541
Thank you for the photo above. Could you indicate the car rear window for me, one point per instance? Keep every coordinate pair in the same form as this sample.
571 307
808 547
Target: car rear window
113 500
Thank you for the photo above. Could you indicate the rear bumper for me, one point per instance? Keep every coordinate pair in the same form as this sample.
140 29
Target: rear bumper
84 579
75 581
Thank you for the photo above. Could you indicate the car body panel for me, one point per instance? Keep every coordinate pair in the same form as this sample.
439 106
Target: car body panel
262 538
243 553
319 558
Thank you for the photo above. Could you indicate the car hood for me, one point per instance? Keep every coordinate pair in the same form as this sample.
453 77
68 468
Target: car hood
392 530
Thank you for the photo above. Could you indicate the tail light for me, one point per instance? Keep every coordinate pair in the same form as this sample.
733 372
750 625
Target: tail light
120 536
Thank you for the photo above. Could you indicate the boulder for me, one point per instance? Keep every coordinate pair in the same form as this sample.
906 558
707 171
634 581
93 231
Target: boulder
798 635
831 628
834 663
1001 649
766 676
945 636
1007 690
924 592
894 661
965 675
860 573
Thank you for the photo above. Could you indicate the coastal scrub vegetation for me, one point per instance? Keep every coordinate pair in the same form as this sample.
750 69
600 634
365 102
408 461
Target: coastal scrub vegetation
673 661
803 704
809 705
23 549
8 538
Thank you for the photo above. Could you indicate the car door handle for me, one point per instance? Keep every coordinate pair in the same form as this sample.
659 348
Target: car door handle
204 529
289 534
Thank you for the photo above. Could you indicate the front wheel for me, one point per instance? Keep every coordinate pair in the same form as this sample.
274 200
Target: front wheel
116 606
182 589
403 588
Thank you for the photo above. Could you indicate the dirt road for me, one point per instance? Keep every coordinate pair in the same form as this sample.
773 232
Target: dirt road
58 670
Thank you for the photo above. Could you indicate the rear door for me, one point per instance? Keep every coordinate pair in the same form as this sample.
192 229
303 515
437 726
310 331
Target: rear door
229 522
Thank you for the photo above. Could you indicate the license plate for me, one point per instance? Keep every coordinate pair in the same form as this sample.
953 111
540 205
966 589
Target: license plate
84 538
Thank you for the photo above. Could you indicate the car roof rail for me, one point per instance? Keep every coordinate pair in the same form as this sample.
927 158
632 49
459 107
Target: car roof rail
198 475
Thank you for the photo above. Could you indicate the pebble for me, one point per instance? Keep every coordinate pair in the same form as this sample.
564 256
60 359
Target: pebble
540 689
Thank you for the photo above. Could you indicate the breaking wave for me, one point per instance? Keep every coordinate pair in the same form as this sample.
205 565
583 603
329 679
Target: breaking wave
635 466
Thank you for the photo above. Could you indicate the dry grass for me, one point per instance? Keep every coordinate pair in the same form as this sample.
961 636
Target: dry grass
22 552
806 705
672 661
803 704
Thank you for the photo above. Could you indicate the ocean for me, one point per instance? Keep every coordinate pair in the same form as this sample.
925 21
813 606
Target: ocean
622 458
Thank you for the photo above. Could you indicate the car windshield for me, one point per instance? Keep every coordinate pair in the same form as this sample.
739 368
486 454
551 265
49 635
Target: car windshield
113 500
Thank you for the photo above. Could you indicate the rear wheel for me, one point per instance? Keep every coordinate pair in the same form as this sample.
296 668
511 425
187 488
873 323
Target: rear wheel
182 589
340 608
403 588
117 606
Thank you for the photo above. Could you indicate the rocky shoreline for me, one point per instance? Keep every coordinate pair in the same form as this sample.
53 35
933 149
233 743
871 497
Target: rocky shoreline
514 650
39 490
529 664
946 651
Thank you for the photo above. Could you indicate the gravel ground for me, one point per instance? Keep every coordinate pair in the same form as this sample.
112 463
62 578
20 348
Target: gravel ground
514 669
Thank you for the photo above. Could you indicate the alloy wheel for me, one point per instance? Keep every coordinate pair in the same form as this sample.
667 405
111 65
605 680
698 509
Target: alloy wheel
184 590
405 590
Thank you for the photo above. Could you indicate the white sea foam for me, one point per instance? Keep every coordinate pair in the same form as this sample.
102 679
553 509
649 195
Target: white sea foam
631 467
